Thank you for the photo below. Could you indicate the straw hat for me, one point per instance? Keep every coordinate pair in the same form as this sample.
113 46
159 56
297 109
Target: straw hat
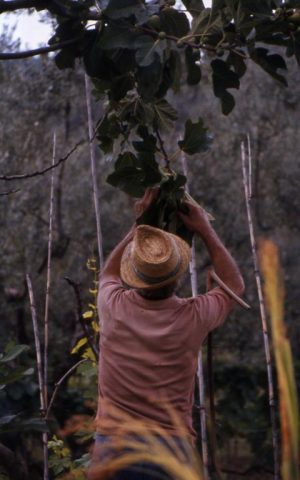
154 258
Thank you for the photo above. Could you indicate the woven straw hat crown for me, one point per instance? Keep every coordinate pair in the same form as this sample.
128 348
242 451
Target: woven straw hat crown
154 258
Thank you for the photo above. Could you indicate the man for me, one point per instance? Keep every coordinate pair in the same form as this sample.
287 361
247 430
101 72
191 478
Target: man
150 338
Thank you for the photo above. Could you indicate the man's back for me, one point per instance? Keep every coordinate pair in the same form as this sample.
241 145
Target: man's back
149 350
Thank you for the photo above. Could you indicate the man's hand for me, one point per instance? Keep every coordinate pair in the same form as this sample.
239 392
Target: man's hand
141 205
196 219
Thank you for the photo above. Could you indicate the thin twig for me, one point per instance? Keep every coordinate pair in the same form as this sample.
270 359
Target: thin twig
162 148
9 192
40 372
93 170
38 51
80 318
23 176
194 286
58 384
262 311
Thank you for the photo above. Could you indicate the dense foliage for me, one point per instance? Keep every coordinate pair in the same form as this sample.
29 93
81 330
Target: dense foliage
137 51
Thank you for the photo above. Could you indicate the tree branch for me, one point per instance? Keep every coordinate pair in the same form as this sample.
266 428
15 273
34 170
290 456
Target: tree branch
58 384
13 5
9 192
37 51
23 176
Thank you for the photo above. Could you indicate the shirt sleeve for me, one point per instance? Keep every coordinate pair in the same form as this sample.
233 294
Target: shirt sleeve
110 291
109 286
211 309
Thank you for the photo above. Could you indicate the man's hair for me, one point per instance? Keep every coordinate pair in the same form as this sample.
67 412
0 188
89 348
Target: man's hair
158 293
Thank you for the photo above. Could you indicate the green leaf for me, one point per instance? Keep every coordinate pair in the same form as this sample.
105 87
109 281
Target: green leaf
108 130
149 141
194 6
149 80
128 179
193 70
126 159
174 22
196 139
269 62
208 22
16 425
13 352
227 103
165 114
65 58
134 174
115 36
15 374
5 420
120 86
224 78
87 369
148 49
117 9
238 63
36 424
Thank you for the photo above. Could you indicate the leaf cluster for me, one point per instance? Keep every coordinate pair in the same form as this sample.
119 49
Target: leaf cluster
136 51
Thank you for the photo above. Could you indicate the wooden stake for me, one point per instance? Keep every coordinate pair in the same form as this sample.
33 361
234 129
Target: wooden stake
48 281
40 372
194 286
248 196
93 170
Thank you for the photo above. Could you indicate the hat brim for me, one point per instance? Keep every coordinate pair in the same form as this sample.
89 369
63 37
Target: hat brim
130 278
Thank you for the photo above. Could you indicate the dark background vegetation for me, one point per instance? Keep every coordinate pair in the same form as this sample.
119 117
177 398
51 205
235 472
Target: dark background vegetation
38 99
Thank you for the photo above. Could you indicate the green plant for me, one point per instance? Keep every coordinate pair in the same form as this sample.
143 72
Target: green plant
17 389
136 52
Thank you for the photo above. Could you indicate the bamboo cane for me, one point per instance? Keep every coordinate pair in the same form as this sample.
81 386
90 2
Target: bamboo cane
40 372
48 281
194 286
93 170
248 200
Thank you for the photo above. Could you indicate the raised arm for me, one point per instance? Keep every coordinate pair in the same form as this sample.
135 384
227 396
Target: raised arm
225 267
112 264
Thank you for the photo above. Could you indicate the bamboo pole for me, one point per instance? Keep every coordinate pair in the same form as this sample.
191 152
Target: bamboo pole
40 372
46 314
48 281
247 176
93 170
194 286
